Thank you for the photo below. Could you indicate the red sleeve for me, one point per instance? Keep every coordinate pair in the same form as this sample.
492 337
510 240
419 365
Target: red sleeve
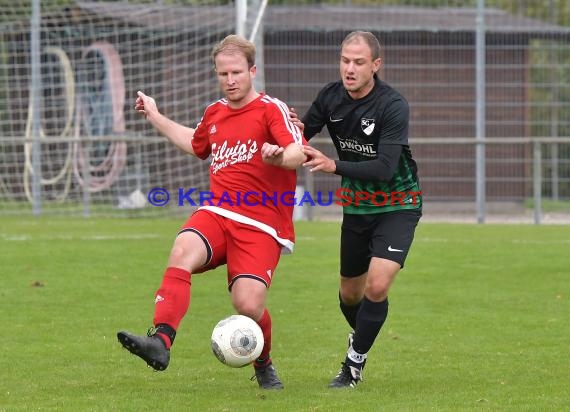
200 141
282 129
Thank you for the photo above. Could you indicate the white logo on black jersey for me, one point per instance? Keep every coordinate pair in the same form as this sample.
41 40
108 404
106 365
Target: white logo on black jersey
354 146
367 126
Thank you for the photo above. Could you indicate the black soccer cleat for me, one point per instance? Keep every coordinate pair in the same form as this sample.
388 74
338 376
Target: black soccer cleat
349 375
150 348
267 377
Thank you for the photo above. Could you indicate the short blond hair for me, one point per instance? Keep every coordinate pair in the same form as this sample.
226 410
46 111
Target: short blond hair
236 44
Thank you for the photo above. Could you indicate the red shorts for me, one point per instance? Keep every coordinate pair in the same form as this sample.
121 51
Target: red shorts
247 251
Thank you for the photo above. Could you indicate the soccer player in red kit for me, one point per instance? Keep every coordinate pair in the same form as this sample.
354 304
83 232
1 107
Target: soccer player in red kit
254 149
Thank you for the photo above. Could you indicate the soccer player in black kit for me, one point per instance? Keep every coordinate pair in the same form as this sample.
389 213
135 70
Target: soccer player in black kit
368 123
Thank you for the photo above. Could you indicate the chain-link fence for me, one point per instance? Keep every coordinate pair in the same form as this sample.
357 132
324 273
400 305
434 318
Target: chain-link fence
70 142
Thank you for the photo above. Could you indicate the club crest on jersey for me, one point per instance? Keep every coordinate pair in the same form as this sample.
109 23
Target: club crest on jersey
213 129
367 126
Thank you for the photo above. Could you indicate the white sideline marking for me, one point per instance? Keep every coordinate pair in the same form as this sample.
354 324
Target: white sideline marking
541 242
25 238
517 241
440 240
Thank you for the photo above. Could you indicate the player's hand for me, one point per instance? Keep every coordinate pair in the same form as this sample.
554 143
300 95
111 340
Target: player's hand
295 119
272 153
145 105
318 161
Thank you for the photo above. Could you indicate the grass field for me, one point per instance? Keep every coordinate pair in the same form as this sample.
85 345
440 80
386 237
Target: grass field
479 320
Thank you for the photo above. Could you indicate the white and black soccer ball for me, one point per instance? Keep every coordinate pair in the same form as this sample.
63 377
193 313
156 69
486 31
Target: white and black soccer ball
237 341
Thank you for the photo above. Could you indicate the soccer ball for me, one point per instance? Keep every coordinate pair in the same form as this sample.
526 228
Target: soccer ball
237 341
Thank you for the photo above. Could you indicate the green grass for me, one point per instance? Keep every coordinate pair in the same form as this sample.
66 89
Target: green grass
479 320
561 206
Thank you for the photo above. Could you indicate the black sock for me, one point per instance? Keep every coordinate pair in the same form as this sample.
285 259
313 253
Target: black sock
369 321
165 331
349 311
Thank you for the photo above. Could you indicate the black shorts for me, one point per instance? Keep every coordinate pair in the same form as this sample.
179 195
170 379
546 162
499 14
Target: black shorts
383 235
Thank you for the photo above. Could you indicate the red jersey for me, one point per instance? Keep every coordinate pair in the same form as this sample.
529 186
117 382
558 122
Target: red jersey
243 187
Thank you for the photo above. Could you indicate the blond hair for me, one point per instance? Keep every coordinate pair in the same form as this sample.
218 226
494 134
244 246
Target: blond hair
236 44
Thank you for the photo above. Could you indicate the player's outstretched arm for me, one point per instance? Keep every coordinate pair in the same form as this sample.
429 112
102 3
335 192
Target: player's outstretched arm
179 135
289 157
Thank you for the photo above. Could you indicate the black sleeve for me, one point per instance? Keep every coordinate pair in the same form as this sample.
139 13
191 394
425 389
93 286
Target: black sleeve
381 169
395 121
316 117
313 121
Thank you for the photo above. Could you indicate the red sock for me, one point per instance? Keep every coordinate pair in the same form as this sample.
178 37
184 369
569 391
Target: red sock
265 324
166 339
172 299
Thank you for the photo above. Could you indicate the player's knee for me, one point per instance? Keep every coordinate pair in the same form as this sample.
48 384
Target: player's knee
250 309
350 296
188 255
376 290
177 255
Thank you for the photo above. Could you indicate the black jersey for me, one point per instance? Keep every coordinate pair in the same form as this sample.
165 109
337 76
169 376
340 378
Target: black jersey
357 129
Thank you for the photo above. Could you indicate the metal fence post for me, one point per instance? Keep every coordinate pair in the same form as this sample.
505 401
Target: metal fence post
480 162
537 181
310 188
35 95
